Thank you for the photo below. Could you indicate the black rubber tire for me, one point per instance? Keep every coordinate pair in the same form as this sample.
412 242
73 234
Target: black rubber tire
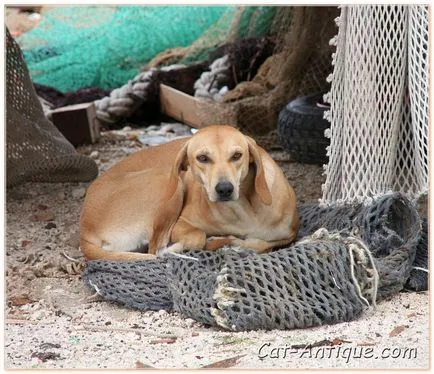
301 127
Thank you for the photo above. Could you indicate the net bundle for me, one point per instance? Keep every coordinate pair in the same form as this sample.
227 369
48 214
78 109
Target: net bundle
330 275
379 103
35 148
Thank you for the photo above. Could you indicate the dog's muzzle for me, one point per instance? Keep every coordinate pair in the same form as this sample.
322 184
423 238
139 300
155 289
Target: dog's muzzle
224 190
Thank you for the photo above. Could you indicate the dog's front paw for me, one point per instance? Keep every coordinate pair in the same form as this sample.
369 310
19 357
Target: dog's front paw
171 249
240 251
174 250
214 243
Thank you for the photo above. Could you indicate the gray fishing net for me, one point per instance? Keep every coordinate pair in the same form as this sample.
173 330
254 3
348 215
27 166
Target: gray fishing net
418 280
35 148
349 258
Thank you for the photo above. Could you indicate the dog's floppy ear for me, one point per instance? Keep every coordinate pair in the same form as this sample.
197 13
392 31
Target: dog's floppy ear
179 164
261 186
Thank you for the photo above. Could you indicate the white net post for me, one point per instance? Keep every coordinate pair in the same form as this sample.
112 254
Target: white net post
379 104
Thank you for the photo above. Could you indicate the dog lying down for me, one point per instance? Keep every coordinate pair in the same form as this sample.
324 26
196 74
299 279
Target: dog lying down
204 192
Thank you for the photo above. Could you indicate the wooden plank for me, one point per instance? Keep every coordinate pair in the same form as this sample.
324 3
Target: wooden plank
183 107
78 123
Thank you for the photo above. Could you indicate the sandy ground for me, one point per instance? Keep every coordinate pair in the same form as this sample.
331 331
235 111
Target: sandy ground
54 321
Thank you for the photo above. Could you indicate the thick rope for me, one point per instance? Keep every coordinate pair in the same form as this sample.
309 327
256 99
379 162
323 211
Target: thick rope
213 85
124 101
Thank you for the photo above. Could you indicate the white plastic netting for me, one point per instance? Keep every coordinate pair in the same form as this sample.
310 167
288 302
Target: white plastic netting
379 103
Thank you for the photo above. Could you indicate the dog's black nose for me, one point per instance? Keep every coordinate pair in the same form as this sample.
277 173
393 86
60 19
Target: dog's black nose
224 190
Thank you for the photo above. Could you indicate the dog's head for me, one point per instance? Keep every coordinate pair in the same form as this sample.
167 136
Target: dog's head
219 157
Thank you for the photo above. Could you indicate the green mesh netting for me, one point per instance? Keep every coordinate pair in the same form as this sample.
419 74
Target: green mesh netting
236 23
105 46
254 21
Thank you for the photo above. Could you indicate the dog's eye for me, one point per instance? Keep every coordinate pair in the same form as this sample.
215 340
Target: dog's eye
203 159
236 156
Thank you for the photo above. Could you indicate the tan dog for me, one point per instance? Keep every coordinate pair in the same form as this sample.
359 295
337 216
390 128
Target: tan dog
234 189
221 189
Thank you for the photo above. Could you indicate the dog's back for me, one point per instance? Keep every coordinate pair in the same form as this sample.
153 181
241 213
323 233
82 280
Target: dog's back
154 157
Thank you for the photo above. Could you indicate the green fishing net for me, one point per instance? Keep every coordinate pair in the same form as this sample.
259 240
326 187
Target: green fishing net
105 46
